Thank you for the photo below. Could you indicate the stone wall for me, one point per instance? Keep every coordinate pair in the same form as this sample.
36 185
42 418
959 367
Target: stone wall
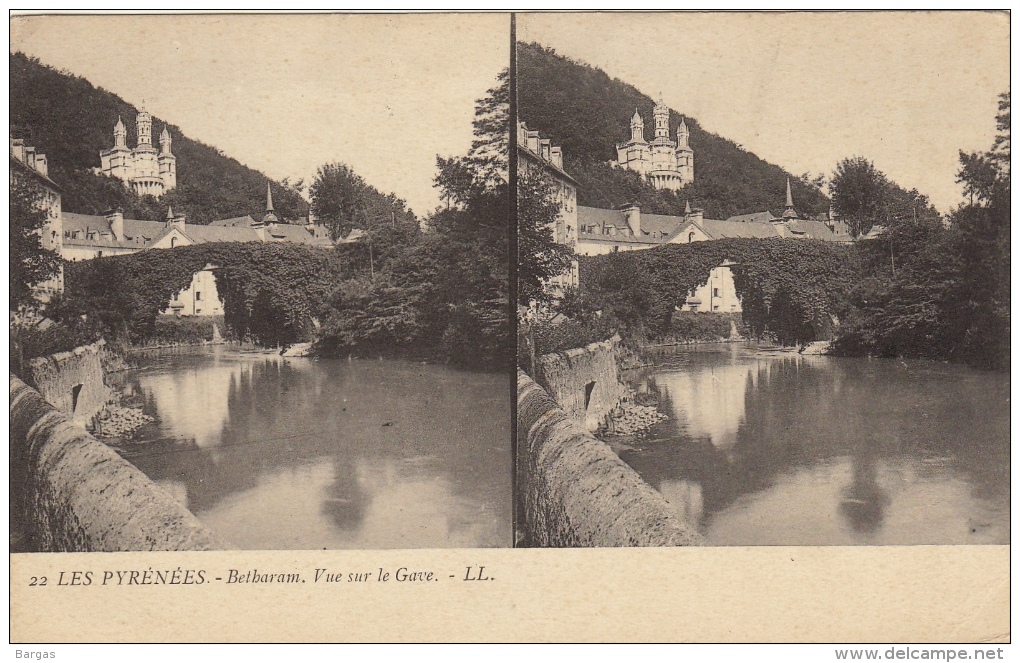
72 381
574 491
584 381
71 493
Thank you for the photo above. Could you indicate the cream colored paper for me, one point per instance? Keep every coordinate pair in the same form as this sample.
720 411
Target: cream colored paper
877 594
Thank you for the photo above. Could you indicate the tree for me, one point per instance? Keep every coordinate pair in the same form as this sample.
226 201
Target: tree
860 194
338 199
539 256
31 264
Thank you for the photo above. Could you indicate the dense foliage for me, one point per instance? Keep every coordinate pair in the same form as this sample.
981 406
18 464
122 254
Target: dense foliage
30 263
925 290
789 289
444 289
864 197
270 292
68 119
586 112
342 201
539 256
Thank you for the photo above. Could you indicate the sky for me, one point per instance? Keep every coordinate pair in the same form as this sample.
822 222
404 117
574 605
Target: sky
284 94
907 90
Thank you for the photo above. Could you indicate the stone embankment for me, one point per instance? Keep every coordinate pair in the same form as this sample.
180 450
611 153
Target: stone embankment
73 381
574 491
584 381
72 493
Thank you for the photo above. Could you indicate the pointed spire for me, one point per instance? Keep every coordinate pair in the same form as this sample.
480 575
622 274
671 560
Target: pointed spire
687 207
637 117
789 212
170 213
119 133
269 199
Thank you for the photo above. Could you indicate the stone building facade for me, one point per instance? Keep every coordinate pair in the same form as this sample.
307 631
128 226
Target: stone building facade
32 168
537 154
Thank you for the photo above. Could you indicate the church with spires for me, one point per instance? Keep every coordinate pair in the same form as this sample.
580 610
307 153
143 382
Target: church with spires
143 169
666 163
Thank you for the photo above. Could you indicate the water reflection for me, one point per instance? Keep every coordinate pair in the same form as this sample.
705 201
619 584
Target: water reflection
785 449
277 453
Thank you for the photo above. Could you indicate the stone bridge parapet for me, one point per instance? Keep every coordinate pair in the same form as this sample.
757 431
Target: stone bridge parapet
72 381
72 493
574 491
584 381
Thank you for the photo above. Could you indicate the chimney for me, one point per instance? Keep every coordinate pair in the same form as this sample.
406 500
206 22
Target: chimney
30 156
116 219
18 149
632 212
556 156
41 165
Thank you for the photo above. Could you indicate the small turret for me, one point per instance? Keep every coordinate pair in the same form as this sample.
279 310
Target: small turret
119 134
682 136
165 141
637 128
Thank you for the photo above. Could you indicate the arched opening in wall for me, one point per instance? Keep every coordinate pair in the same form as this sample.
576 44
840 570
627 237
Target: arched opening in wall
75 391
588 389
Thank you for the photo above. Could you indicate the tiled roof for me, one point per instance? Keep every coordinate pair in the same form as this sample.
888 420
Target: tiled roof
757 217
813 229
548 164
233 222
719 229
659 228
95 231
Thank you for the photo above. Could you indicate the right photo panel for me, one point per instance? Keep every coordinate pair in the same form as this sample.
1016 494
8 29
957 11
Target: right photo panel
763 279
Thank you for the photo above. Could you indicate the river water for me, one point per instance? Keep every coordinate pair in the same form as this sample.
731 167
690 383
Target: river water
776 448
295 453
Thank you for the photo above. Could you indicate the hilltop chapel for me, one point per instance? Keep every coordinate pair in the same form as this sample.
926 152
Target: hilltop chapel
667 164
142 169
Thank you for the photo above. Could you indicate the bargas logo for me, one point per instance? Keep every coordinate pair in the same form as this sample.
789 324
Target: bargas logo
38 655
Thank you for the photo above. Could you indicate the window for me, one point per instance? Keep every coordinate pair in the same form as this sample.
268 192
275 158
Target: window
690 237
173 242
715 292
198 296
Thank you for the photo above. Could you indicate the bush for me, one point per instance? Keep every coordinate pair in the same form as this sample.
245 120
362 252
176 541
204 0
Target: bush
173 330
691 327
31 341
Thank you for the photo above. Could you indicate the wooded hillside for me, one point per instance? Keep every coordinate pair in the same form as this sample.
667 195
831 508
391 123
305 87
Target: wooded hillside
582 109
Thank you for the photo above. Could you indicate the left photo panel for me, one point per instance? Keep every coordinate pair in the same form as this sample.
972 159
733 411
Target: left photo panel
260 282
